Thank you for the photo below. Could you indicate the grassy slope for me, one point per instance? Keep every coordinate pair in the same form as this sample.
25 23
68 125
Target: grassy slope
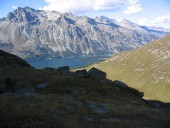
146 69
53 107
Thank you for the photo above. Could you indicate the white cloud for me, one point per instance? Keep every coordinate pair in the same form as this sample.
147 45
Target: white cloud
133 2
119 20
147 22
133 9
107 4
83 5
143 21
163 21
69 5
14 7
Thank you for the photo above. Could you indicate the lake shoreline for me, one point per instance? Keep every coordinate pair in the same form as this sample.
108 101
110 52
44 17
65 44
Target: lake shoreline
72 62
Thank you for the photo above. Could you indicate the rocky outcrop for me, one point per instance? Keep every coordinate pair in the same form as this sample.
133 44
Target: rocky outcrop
64 70
15 85
11 84
122 85
119 84
41 86
75 90
82 73
94 72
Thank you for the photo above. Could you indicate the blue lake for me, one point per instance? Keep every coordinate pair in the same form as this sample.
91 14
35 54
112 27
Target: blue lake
72 62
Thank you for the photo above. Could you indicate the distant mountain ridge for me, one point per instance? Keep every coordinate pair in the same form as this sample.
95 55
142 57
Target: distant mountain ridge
157 31
31 33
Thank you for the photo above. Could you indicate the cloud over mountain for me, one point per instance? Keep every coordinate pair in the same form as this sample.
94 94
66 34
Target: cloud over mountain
158 21
133 7
14 7
78 6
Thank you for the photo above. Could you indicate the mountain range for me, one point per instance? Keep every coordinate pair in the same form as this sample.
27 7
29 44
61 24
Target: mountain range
30 34
146 69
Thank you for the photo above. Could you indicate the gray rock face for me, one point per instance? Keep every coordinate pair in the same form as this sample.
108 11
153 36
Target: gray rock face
94 72
64 70
31 33
75 90
11 84
101 108
15 85
41 85
120 84
82 73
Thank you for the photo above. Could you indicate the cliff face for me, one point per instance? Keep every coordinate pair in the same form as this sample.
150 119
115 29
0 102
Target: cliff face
31 33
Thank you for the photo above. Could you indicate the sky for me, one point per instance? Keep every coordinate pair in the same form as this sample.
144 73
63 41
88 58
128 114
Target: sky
143 12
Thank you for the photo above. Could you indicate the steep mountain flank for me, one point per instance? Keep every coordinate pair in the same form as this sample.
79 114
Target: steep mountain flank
146 69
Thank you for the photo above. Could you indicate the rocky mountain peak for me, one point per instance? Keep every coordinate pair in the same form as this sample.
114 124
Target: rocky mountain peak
29 9
127 22
25 14
11 17
102 18
20 14
89 20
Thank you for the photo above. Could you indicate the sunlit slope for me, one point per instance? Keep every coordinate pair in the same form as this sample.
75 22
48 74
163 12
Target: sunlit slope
146 69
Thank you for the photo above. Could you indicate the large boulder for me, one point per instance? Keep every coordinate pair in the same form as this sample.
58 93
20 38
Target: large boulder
157 104
10 84
50 69
64 70
82 73
75 90
94 72
136 92
15 85
41 86
119 84
122 85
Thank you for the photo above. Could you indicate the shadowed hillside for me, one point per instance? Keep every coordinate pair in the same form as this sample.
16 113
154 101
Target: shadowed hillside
59 98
